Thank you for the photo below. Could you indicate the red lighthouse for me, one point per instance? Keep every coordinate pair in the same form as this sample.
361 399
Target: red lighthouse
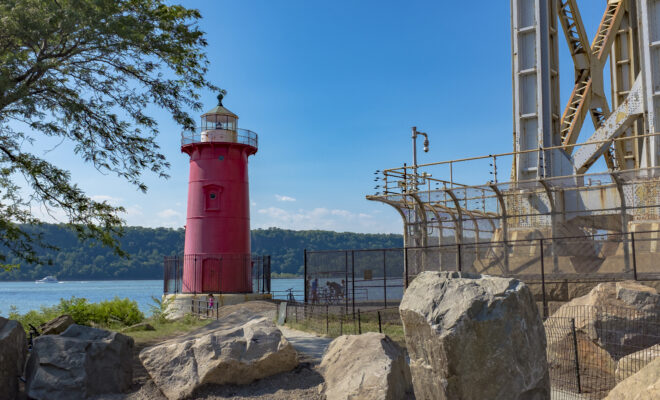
217 243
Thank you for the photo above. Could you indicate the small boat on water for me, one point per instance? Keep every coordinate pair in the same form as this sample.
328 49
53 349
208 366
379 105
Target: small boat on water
48 279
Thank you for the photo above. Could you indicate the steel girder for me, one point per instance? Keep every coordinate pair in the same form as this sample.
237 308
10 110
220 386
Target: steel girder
629 35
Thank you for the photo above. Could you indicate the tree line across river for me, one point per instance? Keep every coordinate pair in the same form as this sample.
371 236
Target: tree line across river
76 260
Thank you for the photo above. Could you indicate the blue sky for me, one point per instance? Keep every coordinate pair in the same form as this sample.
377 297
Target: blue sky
332 89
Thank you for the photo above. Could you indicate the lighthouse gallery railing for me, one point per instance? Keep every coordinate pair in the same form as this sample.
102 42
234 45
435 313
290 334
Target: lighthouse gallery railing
241 136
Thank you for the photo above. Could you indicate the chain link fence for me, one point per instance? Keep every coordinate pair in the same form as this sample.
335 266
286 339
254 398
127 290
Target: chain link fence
364 279
378 277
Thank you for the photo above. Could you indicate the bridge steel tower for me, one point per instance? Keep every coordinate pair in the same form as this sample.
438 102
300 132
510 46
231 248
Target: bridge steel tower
629 36
553 193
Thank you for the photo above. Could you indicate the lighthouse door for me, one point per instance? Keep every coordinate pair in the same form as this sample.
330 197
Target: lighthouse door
211 275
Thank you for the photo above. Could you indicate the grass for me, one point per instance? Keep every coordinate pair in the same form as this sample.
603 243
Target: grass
336 325
166 330
114 315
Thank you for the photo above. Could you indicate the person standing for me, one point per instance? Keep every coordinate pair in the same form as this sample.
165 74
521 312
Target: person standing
315 291
211 303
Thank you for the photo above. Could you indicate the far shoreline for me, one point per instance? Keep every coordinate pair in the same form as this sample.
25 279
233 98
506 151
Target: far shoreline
123 279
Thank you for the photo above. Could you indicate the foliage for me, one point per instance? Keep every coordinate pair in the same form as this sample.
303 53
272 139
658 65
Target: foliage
85 72
115 312
108 312
147 246
160 308
34 317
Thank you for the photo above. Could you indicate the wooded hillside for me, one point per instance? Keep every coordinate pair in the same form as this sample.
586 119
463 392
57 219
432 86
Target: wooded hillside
147 247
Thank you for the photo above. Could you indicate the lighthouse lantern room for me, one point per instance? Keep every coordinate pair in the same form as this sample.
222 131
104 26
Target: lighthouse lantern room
217 242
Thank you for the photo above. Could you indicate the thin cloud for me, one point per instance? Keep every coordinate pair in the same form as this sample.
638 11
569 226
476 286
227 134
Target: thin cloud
103 197
325 219
169 213
284 198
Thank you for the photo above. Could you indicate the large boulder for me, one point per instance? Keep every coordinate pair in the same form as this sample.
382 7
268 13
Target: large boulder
619 316
632 363
79 363
474 337
238 349
13 349
56 325
368 366
644 385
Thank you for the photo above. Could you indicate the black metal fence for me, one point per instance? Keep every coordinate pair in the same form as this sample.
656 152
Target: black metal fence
364 279
172 274
378 277
333 321
589 349
261 274
175 282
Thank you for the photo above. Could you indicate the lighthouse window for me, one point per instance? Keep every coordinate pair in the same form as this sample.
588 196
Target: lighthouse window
212 195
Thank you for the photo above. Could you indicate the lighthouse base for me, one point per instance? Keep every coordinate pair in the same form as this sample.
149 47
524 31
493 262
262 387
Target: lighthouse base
198 304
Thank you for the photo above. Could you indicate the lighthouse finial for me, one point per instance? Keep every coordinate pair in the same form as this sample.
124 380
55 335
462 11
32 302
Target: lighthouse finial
221 96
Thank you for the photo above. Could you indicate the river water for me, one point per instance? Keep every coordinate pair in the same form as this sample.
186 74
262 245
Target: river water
26 296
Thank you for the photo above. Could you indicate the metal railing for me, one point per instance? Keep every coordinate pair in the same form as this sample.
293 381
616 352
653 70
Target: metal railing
239 135
410 178
214 273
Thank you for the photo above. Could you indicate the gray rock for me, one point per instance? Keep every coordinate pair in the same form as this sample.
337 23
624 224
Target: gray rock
13 349
644 385
637 295
281 313
474 337
56 325
79 363
612 314
632 363
237 349
367 367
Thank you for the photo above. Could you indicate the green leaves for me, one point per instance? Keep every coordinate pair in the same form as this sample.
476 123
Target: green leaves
87 71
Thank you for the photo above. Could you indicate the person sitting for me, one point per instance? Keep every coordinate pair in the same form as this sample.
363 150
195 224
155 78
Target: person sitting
335 291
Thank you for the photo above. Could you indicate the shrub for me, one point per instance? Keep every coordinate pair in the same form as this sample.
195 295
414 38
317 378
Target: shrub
159 310
34 317
78 308
123 311
105 313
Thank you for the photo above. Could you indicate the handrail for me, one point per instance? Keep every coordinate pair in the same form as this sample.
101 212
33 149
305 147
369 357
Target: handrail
239 135
512 153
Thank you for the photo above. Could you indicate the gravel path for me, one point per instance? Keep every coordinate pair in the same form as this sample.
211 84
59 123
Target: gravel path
309 346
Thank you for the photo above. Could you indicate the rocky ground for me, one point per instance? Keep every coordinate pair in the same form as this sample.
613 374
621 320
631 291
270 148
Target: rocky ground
304 382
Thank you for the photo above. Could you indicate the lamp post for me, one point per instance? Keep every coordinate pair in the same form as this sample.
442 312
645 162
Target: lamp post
415 133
